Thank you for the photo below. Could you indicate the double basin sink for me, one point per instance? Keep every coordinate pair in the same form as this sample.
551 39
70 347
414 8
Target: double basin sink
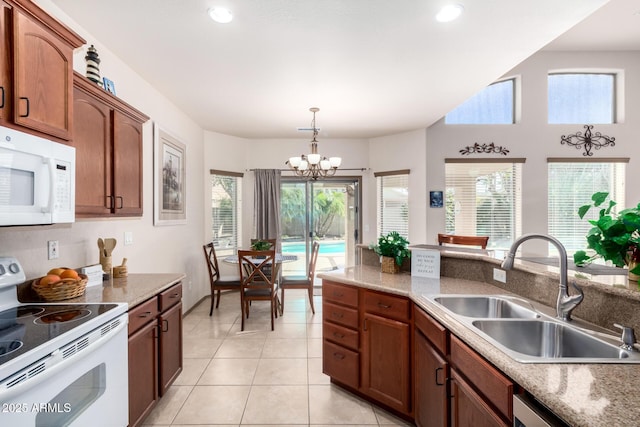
514 326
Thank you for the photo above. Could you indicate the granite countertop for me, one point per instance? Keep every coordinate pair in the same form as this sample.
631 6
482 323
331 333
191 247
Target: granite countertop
581 394
133 289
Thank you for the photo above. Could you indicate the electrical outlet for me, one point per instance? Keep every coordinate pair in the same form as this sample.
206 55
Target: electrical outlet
52 246
128 237
499 275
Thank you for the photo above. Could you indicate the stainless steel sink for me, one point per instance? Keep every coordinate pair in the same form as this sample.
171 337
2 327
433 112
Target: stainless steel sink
486 307
537 340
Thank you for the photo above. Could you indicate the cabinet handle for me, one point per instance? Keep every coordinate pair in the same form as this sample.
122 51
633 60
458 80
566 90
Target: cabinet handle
28 106
112 202
2 104
176 295
145 314
156 332
337 335
337 294
437 381
338 356
364 326
381 305
165 325
337 315
121 202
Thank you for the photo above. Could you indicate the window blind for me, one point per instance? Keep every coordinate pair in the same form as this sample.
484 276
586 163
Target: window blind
484 199
226 211
393 203
571 185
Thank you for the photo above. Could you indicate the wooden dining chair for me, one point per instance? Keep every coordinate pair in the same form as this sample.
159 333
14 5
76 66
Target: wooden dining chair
258 282
302 282
454 239
217 282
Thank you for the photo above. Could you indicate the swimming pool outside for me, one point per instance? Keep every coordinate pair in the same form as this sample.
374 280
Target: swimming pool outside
326 247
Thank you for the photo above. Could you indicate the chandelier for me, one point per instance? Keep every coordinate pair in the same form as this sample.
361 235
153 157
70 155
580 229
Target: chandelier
314 166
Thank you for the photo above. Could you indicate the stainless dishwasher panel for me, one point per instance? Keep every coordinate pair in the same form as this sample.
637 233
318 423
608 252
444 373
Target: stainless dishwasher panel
528 413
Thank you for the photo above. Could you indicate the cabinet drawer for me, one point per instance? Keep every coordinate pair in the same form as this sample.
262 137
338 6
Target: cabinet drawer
435 332
387 305
490 382
142 314
340 335
170 296
341 364
341 294
343 315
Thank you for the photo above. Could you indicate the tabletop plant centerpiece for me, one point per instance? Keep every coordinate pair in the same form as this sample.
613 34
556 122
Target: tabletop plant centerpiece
393 250
260 245
614 238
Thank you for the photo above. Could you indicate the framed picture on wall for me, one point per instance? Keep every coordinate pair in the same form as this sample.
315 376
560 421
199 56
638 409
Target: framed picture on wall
436 199
169 178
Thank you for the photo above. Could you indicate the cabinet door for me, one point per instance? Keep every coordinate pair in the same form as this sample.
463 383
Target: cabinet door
127 165
143 373
170 346
5 61
430 379
92 140
43 73
468 408
386 361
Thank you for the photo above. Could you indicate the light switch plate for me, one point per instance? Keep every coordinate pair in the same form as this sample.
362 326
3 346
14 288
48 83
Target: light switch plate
128 237
52 249
499 275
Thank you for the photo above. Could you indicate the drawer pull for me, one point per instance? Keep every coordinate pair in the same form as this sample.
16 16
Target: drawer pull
176 295
337 335
28 106
165 325
337 315
338 294
381 305
145 314
338 356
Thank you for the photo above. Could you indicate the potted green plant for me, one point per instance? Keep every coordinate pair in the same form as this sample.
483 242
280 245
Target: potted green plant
260 245
393 250
613 238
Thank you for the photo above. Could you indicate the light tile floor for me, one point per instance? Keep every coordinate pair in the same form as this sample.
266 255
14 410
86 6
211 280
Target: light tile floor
259 377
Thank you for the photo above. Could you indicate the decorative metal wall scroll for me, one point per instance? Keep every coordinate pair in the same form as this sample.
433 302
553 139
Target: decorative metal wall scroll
484 148
588 140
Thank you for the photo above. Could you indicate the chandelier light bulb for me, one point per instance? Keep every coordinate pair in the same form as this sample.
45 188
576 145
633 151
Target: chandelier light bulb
303 165
325 165
335 162
295 161
314 158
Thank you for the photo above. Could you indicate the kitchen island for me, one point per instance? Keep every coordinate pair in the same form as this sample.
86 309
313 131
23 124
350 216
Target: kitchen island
580 394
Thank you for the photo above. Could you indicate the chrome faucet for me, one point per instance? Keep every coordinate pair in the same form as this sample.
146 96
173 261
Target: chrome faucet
566 303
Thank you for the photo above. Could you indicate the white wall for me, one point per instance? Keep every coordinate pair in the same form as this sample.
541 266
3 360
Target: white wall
155 249
402 151
536 140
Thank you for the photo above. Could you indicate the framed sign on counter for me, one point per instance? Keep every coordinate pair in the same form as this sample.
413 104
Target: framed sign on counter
169 179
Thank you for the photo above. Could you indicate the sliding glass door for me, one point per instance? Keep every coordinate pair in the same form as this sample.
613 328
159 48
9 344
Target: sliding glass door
325 211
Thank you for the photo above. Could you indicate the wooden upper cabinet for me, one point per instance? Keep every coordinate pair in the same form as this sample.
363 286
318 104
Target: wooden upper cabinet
42 67
108 140
127 164
92 140
6 88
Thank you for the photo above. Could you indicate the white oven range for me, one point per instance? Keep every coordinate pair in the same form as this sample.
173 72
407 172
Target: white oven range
61 364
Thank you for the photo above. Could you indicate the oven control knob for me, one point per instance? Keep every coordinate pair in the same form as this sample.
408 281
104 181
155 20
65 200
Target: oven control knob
14 268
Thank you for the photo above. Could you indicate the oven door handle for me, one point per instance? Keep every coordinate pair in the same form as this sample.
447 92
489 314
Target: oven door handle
55 363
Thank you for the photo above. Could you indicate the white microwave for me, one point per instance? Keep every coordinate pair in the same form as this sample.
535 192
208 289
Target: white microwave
37 180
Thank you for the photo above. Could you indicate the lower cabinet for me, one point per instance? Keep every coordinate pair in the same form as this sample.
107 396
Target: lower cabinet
155 350
469 408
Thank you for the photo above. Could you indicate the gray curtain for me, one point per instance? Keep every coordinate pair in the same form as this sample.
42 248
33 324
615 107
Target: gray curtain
266 202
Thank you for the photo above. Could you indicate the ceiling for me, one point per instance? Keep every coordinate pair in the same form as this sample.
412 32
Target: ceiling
373 67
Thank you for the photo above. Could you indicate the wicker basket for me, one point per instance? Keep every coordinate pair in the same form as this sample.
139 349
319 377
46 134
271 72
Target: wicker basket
389 265
62 290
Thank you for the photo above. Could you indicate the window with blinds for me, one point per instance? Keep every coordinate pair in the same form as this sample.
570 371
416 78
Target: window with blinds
484 199
226 202
571 185
393 202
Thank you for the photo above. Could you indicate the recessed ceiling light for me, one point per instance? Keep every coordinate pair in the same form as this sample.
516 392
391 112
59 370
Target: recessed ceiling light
449 12
220 15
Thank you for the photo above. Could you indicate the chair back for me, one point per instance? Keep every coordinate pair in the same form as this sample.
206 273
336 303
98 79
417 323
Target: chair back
256 268
315 249
454 239
212 262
